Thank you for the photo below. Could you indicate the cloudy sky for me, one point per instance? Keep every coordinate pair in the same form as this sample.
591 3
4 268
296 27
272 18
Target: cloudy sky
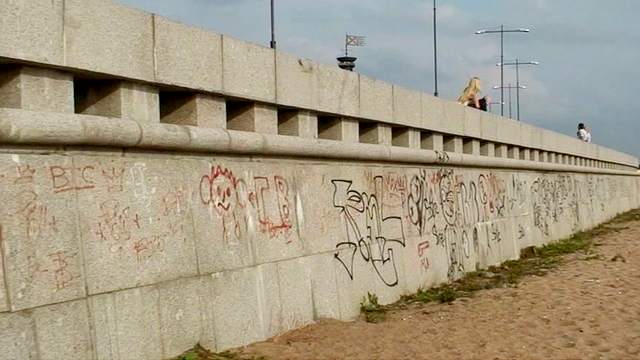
589 50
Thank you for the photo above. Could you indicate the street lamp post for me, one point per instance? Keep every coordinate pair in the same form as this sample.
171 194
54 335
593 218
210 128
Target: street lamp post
273 28
501 31
435 51
517 64
509 87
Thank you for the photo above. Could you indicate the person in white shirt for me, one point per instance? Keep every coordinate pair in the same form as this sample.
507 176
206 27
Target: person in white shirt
583 134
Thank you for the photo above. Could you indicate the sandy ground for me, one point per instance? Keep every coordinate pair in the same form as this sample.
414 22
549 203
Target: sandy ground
585 309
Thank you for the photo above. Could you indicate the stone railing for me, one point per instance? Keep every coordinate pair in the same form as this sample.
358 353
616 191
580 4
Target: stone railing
138 66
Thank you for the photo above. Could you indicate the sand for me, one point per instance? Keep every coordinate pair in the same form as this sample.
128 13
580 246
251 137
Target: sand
585 309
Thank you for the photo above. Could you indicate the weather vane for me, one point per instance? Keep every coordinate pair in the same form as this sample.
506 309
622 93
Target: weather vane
349 62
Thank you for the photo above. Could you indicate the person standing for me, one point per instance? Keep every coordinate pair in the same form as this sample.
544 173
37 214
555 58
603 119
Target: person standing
583 134
470 94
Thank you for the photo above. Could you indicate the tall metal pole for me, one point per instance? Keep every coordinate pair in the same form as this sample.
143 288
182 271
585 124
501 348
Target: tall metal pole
509 87
502 71
435 50
273 30
518 88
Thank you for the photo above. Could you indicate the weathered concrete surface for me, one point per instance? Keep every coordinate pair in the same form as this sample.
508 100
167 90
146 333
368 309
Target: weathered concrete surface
224 250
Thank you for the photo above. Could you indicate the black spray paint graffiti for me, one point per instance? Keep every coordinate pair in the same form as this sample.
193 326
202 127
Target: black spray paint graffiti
368 231
421 204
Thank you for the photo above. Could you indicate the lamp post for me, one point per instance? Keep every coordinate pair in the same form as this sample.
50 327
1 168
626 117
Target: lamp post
273 30
501 31
517 64
435 51
509 87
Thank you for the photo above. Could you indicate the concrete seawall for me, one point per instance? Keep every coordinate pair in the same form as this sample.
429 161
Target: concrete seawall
162 186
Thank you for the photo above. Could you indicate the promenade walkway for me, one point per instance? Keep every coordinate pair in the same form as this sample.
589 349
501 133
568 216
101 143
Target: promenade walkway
588 308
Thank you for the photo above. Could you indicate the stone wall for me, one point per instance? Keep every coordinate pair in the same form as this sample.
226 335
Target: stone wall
141 255
163 185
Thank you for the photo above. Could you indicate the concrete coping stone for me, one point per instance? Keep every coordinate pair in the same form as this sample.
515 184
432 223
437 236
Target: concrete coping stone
39 128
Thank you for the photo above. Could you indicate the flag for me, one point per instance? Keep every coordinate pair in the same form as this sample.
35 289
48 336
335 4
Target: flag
355 40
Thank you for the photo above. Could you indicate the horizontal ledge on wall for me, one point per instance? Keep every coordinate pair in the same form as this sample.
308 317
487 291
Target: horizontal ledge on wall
22 127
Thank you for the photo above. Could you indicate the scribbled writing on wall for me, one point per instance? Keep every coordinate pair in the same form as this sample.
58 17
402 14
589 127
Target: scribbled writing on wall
370 234
265 198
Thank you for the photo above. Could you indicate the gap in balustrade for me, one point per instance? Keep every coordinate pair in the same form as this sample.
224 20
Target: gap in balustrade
97 97
178 107
328 127
401 136
367 132
288 122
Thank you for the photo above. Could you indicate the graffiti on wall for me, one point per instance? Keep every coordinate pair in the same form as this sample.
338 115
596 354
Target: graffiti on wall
371 235
464 214
234 200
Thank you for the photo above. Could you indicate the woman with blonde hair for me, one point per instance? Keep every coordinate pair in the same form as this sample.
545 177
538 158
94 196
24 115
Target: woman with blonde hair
469 95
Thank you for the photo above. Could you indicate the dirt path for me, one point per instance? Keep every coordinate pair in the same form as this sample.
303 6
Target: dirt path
586 309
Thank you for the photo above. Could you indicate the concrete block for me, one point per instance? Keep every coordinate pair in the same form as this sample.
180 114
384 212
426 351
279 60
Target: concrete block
407 106
375 133
252 117
272 211
126 324
341 129
338 91
376 99
294 280
269 302
454 118
32 30
487 149
406 137
433 115
219 216
322 192
35 89
473 122
105 37
248 70
187 56
432 141
193 109
508 132
118 99
323 285
544 156
297 81
17 336
234 301
298 123
180 315
42 258
63 331
502 150
471 146
513 152
135 221
453 144
489 126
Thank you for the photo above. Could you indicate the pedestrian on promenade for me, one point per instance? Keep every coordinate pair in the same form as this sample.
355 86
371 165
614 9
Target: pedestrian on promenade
583 133
470 95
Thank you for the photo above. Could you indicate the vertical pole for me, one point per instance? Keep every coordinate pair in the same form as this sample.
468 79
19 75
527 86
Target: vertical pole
509 87
346 42
518 89
435 50
273 30
502 70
